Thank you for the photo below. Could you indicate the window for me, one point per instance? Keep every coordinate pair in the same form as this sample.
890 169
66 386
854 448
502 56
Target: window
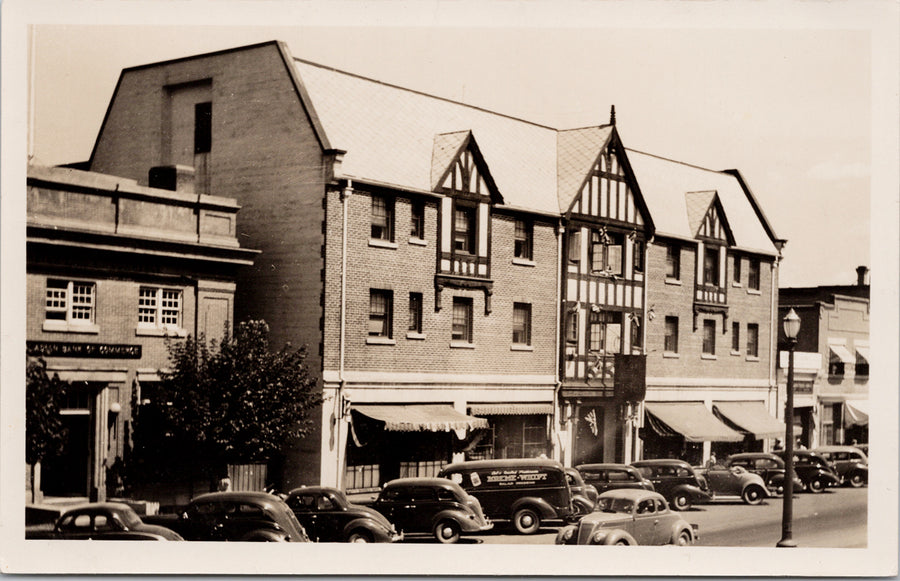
637 340
159 308
415 313
382 219
606 252
711 266
736 338
638 256
835 367
753 275
464 229
752 340
524 237
380 309
70 302
673 261
671 339
521 334
709 337
862 366
572 327
736 271
417 220
462 319
574 247
605 332
202 127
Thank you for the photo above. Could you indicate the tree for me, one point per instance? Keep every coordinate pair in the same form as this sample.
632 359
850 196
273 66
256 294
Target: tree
45 434
231 402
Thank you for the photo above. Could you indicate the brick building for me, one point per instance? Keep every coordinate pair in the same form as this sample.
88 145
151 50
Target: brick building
831 361
112 269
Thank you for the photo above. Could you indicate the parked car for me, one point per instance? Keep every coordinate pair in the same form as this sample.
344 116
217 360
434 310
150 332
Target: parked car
813 470
676 481
524 491
328 516
732 482
435 506
850 463
630 517
768 466
104 521
612 476
236 516
584 496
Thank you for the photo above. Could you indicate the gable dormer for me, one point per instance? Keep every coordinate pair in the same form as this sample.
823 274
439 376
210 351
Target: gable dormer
460 173
710 227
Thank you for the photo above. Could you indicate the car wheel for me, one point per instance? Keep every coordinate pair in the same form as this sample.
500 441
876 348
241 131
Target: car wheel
359 537
623 542
684 539
816 486
753 495
681 501
527 521
857 480
446 531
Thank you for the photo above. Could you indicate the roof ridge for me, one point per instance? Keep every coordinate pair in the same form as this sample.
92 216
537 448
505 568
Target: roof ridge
424 94
719 171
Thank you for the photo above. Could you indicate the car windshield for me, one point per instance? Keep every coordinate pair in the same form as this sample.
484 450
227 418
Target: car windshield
129 518
622 505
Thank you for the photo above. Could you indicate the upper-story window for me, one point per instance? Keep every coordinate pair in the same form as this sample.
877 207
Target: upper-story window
709 337
637 260
462 320
752 340
753 275
524 240
415 313
521 333
572 327
464 229
735 337
381 309
670 343
70 302
159 308
673 261
736 271
637 340
574 249
606 252
417 220
605 333
202 127
711 266
382 218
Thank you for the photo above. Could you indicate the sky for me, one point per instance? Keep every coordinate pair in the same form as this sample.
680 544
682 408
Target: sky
791 108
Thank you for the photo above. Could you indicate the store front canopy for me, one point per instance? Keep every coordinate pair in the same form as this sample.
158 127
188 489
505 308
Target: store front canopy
511 409
420 417
856 412
751 417
691 420
840 353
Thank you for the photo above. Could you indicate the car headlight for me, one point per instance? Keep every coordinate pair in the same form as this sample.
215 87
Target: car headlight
598 537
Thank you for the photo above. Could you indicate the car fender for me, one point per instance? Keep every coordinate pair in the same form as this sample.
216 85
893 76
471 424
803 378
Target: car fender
583 504
456 516
538 503
678 528
611 537
264 535
694 491
377 531
751 479
561 535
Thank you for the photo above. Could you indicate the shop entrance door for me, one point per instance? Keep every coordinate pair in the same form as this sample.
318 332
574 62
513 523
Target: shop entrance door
67 473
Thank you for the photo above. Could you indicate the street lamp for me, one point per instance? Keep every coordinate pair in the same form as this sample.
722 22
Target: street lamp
791 324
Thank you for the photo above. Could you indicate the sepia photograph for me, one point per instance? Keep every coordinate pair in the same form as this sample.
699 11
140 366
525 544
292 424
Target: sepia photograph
492 287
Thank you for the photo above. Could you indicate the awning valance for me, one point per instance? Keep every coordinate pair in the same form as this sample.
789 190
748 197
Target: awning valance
751 417
840 353
420 417
862 354
856 412
693 421
511 409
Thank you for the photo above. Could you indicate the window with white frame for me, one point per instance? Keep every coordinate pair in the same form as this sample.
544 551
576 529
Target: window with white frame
521 334
752 340
380 313
753 275
159 308
382 219
524 239
70 302
709 337
462 319
671 337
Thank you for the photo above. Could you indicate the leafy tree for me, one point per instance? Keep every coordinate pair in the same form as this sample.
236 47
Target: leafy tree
45 434
232 402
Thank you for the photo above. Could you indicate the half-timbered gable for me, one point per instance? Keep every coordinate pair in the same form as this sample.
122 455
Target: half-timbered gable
708 222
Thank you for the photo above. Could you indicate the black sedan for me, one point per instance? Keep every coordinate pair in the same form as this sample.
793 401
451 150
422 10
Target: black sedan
328 516
104 521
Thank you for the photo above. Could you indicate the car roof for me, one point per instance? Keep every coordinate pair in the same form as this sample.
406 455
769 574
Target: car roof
247 496
315 490
101 506
753 455
421 481
660 462
631 494
836 448
605 466
505 463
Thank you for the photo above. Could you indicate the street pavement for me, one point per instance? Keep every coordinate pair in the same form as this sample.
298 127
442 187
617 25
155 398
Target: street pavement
835 518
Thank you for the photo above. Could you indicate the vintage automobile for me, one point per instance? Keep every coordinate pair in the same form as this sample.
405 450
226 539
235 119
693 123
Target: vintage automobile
630 517
328 516
435 506
814 471
104 521
612 476
235 516
676 481
768 466
850 463
584 496
733 482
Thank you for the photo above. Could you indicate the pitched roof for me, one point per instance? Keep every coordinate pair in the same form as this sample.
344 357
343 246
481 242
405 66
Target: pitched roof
576 154
697 207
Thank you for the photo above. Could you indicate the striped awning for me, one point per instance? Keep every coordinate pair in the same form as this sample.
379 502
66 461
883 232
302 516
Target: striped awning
691 420
751 417
511 409
856 412
420 417
840 353
862 354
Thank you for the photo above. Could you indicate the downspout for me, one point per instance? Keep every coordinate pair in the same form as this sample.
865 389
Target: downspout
773 333
560 230
339 400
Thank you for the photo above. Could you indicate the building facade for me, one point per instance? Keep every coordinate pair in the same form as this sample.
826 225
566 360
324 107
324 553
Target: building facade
831 361
113 270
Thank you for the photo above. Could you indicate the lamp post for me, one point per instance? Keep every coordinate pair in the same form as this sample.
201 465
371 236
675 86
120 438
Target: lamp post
791 325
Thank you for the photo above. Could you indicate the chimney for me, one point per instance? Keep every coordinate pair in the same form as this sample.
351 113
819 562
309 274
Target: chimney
861 272
176 178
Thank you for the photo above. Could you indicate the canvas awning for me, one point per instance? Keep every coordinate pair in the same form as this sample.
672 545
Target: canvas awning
690 419
841 353
856 412
862 354
511 409
420 417
751 417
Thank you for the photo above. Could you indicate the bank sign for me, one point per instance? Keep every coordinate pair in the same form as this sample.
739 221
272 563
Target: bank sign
87 350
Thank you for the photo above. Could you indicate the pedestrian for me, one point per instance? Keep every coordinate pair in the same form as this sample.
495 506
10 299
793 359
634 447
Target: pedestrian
712 461
778 446
224 484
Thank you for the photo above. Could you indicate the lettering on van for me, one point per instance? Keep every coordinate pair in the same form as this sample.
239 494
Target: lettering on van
516 477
